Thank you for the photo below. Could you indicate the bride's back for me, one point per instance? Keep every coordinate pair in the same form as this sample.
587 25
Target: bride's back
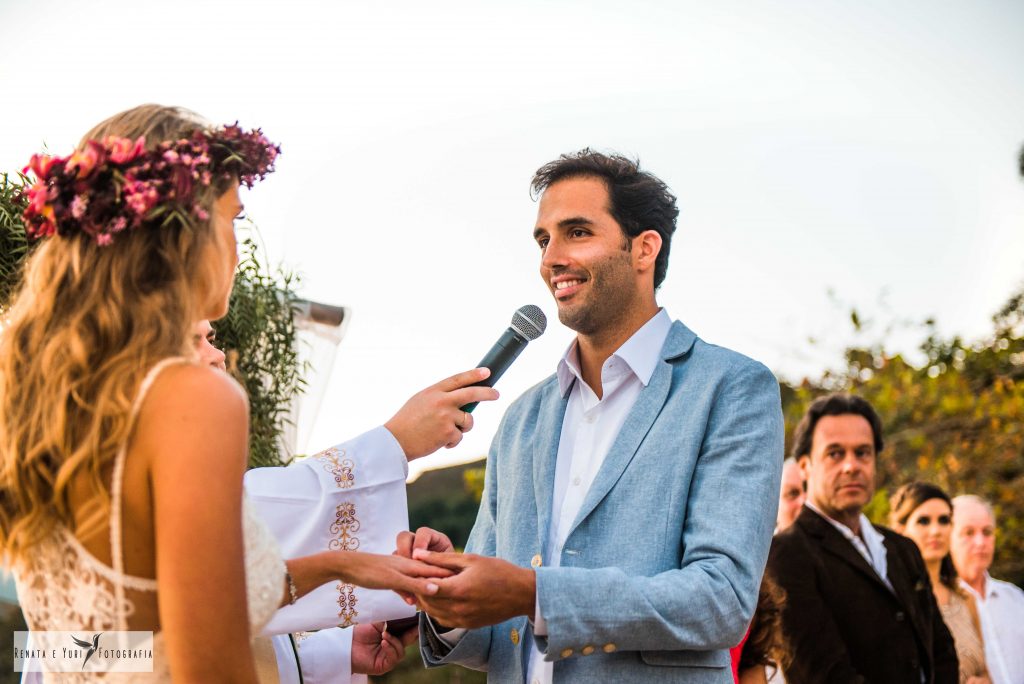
100 311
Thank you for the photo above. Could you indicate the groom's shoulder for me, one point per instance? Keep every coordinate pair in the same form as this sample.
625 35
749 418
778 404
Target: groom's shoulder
715 361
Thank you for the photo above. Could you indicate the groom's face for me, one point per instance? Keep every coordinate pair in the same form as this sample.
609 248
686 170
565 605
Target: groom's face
586 259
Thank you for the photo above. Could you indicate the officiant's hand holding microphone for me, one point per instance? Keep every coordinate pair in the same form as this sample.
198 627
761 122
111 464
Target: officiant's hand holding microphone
481 590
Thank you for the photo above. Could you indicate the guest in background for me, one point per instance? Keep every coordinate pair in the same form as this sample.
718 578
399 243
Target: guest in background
858 602
1000 604
763 651
923 512
791 495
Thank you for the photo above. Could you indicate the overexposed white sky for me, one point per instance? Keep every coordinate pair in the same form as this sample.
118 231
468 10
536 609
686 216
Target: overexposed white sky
866 148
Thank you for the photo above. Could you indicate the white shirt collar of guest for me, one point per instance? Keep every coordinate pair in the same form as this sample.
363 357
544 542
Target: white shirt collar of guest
639 353
870 544
991 587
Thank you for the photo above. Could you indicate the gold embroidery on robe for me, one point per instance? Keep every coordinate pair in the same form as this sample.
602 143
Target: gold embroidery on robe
337 465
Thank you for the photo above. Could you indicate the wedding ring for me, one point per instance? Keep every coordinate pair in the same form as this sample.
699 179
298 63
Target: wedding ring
462 423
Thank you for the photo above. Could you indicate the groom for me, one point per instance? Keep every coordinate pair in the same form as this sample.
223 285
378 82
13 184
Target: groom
630 497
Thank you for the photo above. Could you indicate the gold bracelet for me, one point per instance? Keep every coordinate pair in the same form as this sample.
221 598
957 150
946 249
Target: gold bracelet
293 592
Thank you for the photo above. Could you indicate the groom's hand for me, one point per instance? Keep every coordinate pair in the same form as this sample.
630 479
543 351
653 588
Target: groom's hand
424 538
484 591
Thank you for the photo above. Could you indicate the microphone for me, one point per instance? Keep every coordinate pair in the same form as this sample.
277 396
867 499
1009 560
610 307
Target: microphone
528 323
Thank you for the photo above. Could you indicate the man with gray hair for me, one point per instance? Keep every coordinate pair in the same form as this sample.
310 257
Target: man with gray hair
1000 604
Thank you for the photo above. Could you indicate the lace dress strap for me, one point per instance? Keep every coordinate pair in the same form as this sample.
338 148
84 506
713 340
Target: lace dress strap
117 485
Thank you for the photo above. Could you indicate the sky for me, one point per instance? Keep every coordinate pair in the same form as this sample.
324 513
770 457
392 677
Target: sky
826 155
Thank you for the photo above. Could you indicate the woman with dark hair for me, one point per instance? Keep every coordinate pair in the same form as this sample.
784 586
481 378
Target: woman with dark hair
923 512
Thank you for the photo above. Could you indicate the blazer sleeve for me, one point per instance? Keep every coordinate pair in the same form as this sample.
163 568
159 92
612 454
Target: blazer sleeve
817 652
705 605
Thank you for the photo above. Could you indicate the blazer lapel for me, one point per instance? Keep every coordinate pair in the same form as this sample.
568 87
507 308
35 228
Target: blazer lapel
639 421
545 453
836 544
901 580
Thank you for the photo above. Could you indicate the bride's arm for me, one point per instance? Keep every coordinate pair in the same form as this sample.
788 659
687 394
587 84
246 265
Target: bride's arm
194 430
367 570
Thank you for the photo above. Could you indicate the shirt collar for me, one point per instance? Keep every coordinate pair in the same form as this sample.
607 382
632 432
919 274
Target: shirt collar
870 534
641 353
990 587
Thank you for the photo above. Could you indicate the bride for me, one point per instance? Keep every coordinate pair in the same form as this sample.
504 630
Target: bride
122 458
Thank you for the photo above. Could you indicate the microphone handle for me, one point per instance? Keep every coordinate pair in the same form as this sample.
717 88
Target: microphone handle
498 359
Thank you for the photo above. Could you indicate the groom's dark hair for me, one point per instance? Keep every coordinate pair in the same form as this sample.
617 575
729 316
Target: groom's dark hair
639 200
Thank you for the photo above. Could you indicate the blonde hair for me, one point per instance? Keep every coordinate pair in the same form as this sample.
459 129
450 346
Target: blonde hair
83 329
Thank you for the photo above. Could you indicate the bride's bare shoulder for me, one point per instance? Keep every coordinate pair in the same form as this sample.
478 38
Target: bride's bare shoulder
191 411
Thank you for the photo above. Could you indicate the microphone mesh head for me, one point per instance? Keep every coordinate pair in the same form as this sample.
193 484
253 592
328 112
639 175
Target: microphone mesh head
529 321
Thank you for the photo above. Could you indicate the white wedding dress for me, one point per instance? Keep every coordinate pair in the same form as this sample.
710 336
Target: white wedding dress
63 587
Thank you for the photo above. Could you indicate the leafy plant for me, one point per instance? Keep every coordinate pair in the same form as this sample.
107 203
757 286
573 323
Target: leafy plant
261 339
13 243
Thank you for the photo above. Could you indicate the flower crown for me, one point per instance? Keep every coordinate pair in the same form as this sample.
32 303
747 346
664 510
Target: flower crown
114 185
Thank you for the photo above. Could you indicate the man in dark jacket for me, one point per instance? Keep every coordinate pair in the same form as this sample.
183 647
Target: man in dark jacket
859 605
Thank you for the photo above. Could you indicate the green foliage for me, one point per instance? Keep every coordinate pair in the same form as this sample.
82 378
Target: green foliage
474 479
956 420
13 244
261 337
259 332
447 500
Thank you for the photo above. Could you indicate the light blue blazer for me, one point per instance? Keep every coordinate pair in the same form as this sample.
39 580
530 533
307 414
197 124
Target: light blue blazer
659 575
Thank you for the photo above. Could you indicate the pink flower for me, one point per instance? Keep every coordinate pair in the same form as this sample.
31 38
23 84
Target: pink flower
38 196
201 213
103 239
79 205
40 165
87 159
140 197
123 150
170 156
119 224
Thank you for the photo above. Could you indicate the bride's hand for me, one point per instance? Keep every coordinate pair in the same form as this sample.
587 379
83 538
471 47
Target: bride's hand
377 571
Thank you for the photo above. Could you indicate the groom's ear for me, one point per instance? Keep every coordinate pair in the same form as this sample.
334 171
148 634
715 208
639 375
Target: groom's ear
645 248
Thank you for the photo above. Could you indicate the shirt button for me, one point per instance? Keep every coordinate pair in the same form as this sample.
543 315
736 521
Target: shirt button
900 616
589 419
535 561
576 481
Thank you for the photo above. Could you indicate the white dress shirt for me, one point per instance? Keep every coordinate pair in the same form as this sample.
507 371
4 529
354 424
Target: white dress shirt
588 430
1001 610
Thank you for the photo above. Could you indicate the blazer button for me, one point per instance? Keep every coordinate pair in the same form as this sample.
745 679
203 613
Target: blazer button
514 636
535 561
566 653
900 616
608 648
587 650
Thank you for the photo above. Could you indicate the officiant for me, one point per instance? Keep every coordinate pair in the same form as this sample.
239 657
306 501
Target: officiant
348 497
